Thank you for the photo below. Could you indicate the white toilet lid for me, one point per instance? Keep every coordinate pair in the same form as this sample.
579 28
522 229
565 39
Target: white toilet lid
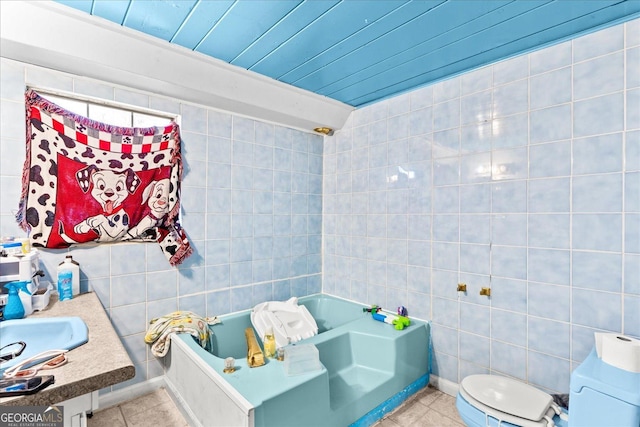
508 396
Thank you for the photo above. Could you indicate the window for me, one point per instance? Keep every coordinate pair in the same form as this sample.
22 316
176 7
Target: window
109 114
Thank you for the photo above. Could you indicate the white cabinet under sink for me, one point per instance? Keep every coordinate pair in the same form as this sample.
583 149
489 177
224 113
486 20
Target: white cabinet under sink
76 410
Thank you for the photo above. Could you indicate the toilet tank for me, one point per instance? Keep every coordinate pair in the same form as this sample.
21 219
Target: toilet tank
603 395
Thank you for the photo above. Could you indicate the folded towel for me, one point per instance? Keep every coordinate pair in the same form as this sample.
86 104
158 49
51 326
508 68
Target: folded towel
162 327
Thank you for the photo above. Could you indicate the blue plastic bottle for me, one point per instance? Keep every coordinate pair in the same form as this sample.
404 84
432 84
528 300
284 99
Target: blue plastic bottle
14 308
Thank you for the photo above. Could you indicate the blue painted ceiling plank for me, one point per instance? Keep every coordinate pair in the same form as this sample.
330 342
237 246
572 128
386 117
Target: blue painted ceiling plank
286 28
398 18
500 53
478 54
345 50
452 52
156 17
112 10
186 19
464 28
425 26
341 21
245 23
126 13
199 22
83 5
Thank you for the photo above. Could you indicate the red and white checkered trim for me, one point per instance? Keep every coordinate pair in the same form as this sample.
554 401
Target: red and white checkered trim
103 141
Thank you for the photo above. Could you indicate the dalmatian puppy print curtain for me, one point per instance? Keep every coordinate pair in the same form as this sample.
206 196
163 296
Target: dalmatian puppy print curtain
88 182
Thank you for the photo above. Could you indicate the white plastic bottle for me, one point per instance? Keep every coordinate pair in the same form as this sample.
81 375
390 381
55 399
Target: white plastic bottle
70 265
25 297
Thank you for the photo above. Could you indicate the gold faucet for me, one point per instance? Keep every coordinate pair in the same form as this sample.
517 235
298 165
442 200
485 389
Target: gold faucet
255 357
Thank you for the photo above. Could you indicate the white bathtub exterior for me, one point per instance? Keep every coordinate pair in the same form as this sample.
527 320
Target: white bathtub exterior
188 377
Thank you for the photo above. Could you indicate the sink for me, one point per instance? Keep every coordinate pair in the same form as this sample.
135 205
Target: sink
41 334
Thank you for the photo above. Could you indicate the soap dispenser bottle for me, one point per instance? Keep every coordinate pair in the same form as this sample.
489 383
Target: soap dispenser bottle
14 308
269 343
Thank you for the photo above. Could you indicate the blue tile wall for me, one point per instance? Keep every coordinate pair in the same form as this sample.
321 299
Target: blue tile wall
522 176
251 205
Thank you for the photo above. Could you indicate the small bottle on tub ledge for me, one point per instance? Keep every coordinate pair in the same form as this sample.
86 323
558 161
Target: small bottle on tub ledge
269 343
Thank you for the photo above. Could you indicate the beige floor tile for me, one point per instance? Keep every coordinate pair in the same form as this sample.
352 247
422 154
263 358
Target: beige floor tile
408 413
165 415
428 408
385 422
428 395
433 418
147 401
110 417
446 405
154 409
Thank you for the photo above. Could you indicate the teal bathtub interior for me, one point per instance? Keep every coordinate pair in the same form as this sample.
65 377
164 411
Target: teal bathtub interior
369 367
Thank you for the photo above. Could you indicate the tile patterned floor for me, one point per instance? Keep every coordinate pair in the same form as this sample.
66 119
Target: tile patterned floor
155 409
427 408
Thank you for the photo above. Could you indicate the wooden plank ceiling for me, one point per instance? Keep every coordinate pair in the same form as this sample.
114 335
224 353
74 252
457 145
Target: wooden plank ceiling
361 51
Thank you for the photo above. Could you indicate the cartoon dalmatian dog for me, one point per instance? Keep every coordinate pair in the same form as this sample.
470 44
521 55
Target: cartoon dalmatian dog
109 189
156 196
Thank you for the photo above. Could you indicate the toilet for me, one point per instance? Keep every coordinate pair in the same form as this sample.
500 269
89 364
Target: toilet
488 400
600 395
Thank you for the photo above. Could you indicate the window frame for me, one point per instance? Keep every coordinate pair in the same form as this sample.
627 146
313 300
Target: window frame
101 102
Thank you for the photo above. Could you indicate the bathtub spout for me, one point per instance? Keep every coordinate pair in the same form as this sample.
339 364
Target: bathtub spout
255 357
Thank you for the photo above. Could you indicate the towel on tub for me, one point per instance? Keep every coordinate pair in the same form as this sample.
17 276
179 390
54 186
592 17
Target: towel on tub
162 327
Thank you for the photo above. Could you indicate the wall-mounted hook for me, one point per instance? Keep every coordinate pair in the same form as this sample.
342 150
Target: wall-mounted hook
485 291
462 287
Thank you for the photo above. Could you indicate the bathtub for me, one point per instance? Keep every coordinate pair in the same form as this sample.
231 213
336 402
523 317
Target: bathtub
369 368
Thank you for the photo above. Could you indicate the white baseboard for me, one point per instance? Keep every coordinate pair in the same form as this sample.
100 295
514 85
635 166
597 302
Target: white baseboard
136 390
445 386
